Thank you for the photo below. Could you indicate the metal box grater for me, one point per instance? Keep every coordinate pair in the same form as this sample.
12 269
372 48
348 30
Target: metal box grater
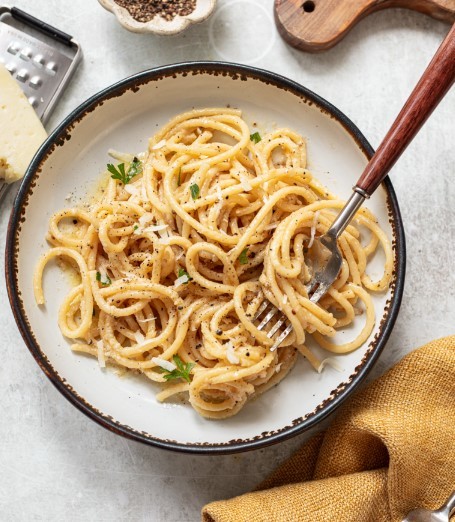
42 66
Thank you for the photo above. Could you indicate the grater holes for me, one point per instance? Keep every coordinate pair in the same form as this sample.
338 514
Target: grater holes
10 67
22 75
35 82
13 48
51 68
25 54
38 61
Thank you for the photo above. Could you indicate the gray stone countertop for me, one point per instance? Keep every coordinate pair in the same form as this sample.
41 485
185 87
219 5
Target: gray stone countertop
56 464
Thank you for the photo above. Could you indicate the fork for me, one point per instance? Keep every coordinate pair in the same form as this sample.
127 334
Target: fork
442 514
429 91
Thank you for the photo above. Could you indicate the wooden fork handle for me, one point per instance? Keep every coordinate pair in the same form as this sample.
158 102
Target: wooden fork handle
434 84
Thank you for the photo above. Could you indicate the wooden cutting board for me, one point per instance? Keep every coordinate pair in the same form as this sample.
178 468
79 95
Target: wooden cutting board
316 25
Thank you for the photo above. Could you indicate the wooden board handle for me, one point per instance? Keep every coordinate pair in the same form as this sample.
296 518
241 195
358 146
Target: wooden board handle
432 87
316 25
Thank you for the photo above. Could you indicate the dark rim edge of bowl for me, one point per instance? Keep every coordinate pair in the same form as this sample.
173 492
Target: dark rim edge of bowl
207 448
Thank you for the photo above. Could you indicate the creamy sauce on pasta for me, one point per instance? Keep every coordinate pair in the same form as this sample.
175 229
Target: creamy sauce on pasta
175 262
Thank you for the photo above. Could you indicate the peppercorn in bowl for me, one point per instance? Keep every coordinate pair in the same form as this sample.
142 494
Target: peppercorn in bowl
159 16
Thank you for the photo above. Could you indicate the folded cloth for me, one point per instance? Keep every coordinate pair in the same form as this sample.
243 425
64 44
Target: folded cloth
390 449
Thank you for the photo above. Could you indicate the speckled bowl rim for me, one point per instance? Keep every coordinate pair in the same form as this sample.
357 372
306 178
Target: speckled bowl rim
58 137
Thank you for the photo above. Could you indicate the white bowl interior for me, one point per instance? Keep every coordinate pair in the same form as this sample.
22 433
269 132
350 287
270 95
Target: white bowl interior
125 123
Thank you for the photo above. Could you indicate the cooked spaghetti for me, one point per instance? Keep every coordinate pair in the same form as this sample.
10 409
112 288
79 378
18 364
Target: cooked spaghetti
185 243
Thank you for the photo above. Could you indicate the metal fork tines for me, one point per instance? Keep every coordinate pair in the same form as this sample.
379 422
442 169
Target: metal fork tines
317 288
270 312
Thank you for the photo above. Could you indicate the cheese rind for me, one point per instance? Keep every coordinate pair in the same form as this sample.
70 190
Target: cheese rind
21 131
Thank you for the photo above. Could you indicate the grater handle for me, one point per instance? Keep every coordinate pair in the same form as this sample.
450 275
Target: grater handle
22 16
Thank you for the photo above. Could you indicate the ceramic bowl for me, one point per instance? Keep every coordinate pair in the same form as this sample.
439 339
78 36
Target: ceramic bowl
159 25
122 117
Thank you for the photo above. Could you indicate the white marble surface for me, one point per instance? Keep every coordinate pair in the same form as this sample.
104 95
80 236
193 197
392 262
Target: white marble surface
55 464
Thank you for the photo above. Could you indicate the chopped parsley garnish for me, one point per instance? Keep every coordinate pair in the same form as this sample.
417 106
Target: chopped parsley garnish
194 189
119 173
243 257
104 279
182 371
179 181
135 227
135 168
256 137
182 272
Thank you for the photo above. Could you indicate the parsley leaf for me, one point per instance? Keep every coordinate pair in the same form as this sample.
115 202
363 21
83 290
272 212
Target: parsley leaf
182 272
119 173
181 372
256 137
243 257
194 189
104 279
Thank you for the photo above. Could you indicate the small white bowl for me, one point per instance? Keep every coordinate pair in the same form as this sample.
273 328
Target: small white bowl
159 25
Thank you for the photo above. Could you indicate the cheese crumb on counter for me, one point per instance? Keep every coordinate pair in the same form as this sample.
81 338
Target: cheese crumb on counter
22 131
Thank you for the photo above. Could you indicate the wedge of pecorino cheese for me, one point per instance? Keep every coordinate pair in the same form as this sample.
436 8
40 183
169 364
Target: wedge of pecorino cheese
21 131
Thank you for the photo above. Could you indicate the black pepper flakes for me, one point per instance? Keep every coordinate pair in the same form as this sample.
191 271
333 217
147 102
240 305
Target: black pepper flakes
146 10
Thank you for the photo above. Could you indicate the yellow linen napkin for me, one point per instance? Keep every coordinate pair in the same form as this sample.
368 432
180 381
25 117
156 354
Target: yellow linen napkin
390 449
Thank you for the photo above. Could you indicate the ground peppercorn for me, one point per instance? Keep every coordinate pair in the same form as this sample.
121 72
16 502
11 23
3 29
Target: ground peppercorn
146 10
